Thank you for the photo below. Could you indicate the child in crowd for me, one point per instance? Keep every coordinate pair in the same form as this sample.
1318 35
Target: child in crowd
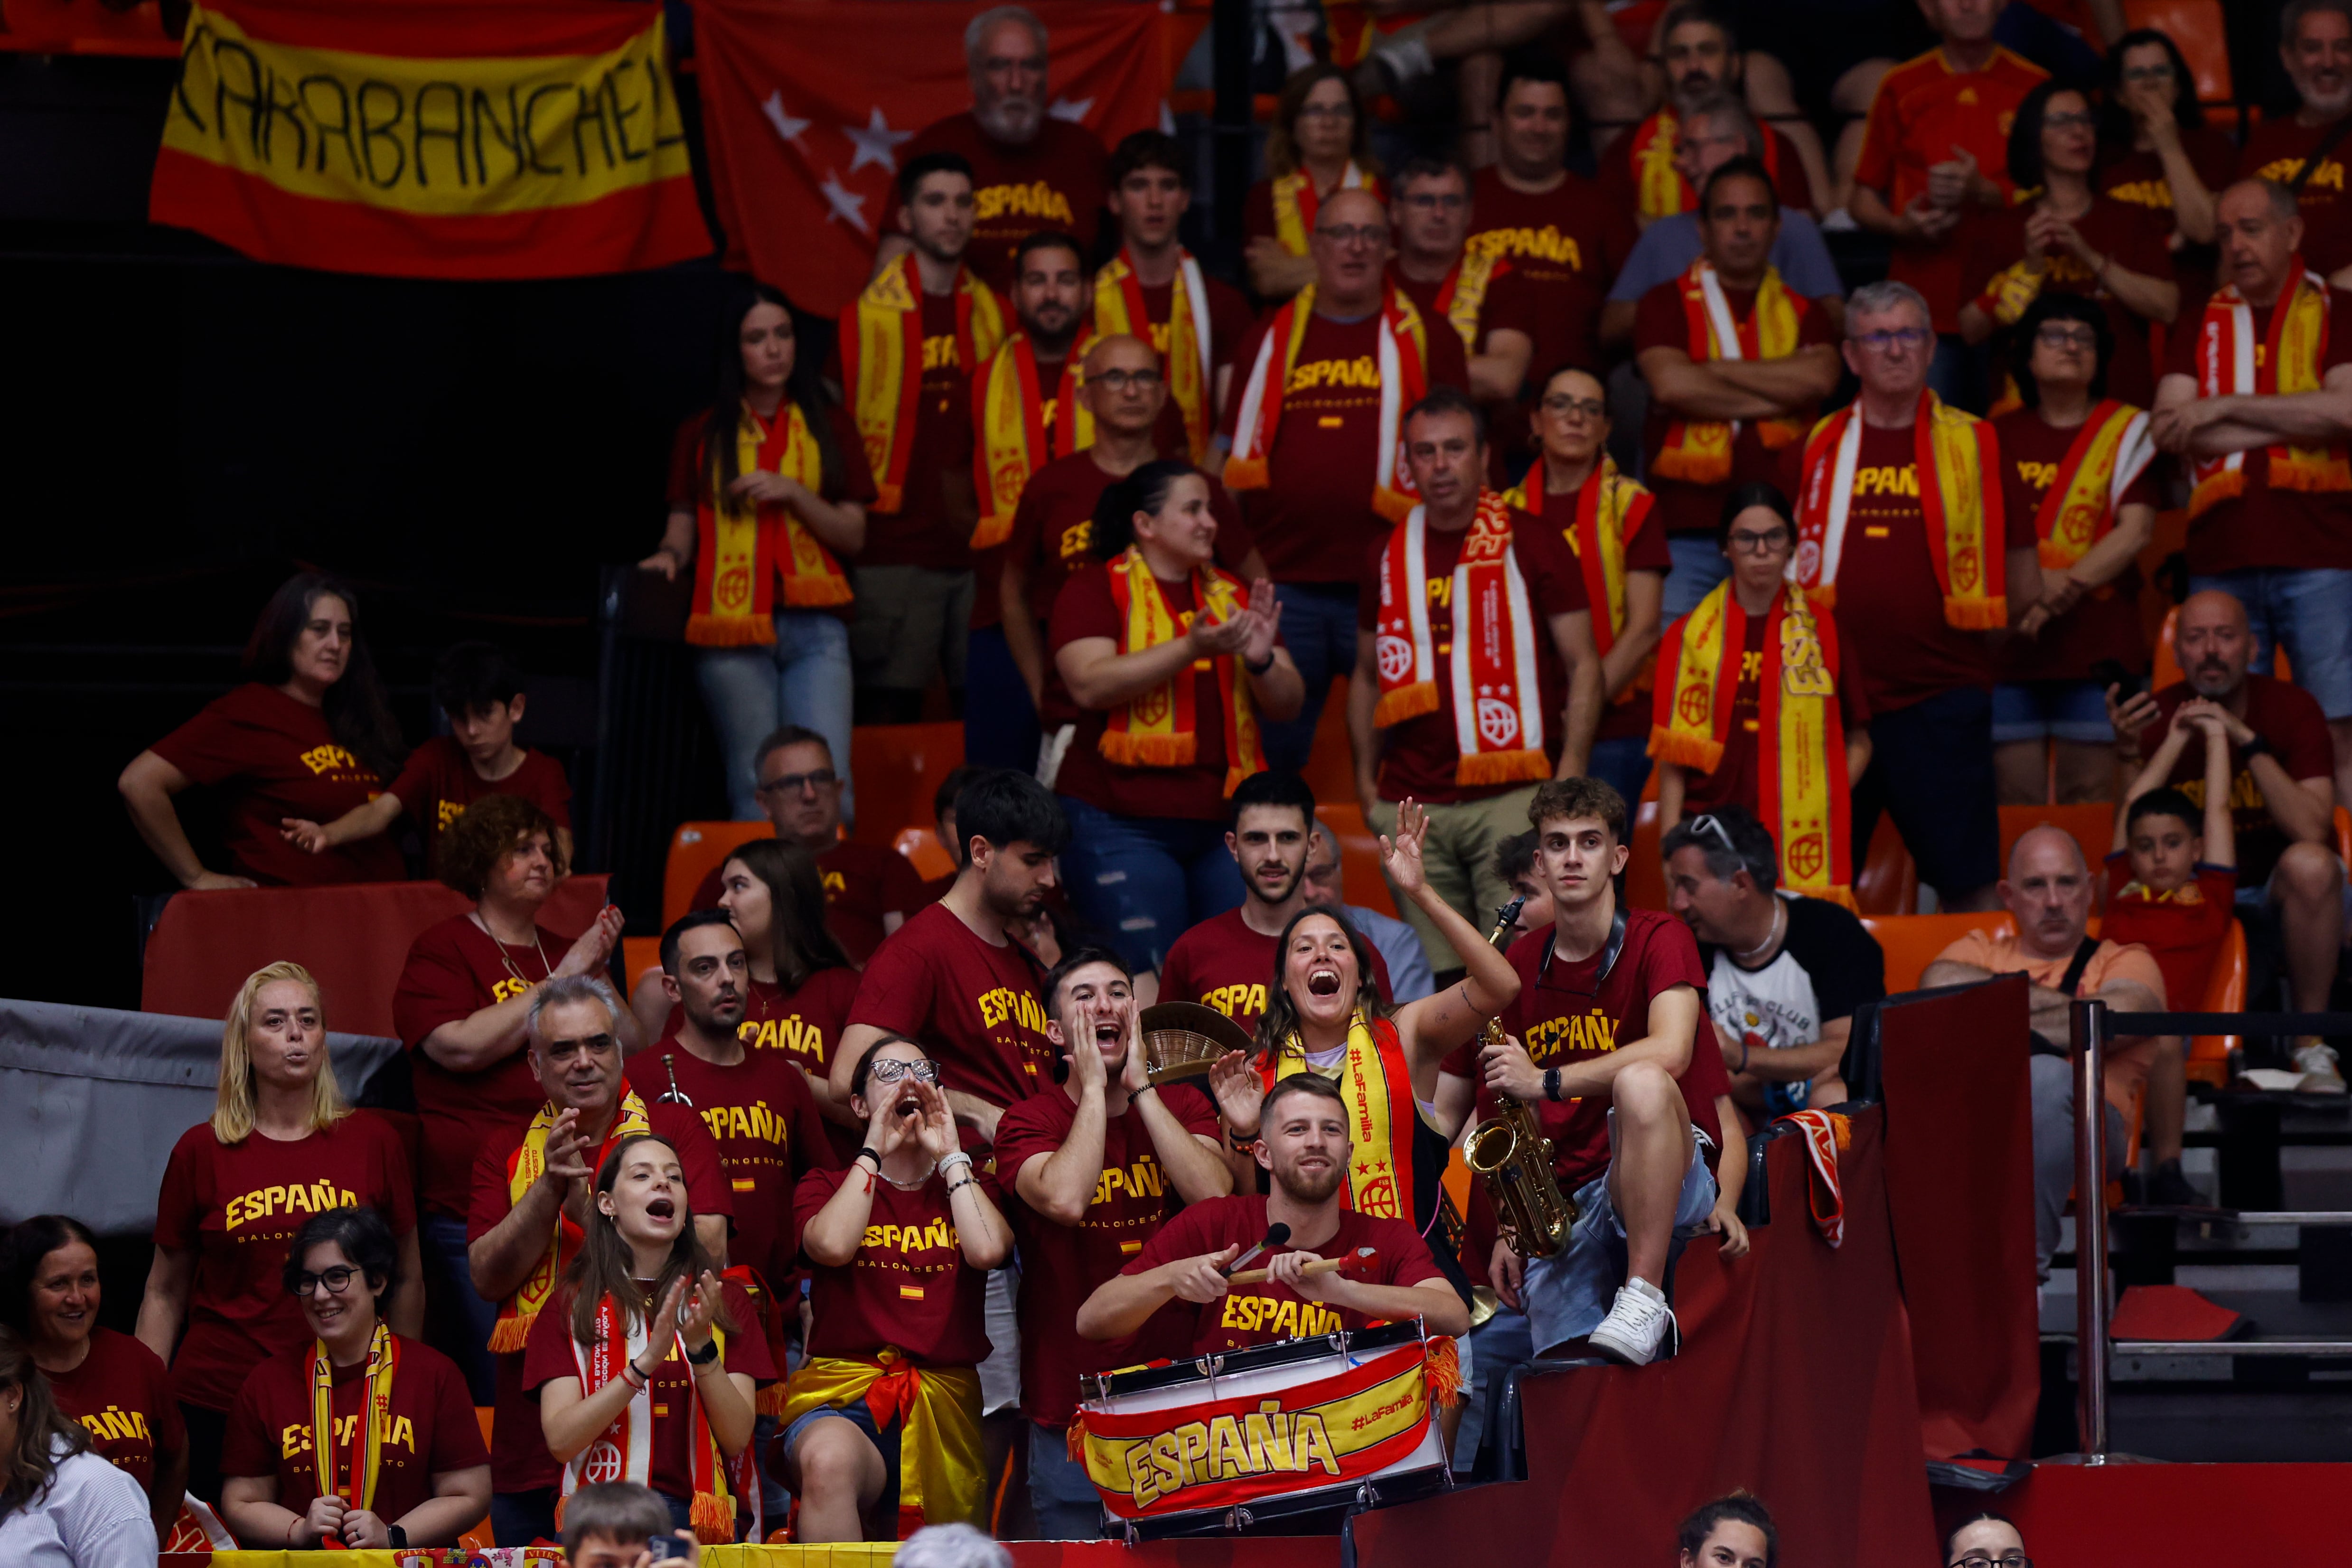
480 688
2171 885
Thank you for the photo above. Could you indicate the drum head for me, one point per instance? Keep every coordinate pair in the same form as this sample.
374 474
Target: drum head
1184 1039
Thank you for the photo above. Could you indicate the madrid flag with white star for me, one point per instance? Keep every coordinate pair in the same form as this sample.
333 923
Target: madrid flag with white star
807 103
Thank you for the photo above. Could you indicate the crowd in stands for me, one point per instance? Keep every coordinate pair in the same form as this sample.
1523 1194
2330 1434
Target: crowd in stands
1590 489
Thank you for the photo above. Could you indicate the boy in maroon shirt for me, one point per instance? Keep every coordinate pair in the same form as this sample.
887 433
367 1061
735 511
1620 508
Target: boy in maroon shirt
1610 1004
1303 1144
1093 1169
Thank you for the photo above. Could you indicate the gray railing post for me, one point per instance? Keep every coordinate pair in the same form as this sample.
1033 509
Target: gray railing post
2088 1021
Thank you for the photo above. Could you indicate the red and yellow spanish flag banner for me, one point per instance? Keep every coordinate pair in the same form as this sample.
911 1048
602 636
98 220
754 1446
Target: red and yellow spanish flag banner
430 139
1221 1452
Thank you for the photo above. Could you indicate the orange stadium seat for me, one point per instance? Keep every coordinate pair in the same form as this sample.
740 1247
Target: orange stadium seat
696 849
1888 883
1912 941
899 768
641 954
2225 992
2201 30
921 845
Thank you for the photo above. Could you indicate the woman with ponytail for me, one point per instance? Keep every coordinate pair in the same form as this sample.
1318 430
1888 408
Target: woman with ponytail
651 1373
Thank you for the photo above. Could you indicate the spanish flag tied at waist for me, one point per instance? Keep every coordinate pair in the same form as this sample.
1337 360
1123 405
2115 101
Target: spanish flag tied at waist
1220 1452
942 1473
427 139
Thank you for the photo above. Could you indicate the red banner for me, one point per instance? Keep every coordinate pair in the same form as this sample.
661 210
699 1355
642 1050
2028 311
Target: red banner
806 102
431 138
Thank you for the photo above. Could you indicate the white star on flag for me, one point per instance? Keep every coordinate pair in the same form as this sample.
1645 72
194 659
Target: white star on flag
843 203
877 143
786 126
1073 113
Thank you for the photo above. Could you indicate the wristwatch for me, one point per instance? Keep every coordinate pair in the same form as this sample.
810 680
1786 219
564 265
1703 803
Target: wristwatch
2254 746
706 1355
1260 668
1551 1084
397 1536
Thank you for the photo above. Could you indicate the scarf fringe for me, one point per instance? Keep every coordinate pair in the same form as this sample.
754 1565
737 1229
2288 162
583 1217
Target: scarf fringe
1685 750
706 629
889 498
1689 466
822 596
1444 1371
2310 470
713 1518
1247 474
509 1335
1976 614
1392 504
1405 703
1132 750
1502 767
2227 485
772 1399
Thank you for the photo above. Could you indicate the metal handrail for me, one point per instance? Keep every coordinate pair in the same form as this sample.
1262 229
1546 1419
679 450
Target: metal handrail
2325 1349
2087 1022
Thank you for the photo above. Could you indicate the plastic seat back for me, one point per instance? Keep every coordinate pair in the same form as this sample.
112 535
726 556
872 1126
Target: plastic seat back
695 850
1912 941
2202 31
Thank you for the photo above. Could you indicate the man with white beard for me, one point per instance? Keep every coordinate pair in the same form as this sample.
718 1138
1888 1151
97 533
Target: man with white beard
1031 170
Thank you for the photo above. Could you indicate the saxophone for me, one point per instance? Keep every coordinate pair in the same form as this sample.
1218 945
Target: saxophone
1510 1154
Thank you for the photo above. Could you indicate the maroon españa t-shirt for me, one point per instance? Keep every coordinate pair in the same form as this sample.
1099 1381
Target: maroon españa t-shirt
121 1395
2284 715
972 1004
1053 183
432 1429
2104 622
908 1285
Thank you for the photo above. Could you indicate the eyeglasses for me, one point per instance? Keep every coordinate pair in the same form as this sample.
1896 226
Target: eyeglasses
1120 380
1707 823
1901 337
1346 234
1431 201
801 784
2070 120
1758 544
1561 406
2053 336
337 1280
890 1069
1326 111
2010 1560
2149 73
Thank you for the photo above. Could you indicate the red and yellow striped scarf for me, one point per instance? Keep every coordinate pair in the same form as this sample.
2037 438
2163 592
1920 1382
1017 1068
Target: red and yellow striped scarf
516 1313
1698 451
2291 358
1463 296
1403 356
1119 309
1296 202
1160 728
2111 450
1011 436
1659 188
1493 653
1376 1082
1959 501
623 1451
740 550
352 1478
1800 771
882 364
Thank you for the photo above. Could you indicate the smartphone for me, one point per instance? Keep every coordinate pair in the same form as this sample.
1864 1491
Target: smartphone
2111 672
668 1549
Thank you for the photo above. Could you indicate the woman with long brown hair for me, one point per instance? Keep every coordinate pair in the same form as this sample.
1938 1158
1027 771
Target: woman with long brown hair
282 1144
117 1388
650 1373
1320 143
308 737
1325 1013
61 1506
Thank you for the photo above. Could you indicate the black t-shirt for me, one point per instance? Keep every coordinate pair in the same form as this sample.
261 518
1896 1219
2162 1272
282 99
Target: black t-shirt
1827 966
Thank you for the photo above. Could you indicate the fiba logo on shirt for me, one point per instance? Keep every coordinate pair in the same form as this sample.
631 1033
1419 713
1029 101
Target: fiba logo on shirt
1395 654
732 588
1498 721
601 1463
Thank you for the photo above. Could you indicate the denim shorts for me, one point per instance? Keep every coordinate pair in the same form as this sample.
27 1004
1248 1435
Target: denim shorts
2307 612
2074 711
1569 1293
859 1415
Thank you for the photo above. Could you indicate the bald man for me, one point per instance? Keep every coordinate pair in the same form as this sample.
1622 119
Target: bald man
1123 384
2270 447
2282 791
1314 422
2048 893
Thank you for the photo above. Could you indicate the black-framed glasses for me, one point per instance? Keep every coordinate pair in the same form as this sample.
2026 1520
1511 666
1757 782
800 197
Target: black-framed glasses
890 1069
337 1280
1345 234
1560 406
1903 337
1120 380
1755 543
801 784
2072 120
2162 72
2056 335
2007 1560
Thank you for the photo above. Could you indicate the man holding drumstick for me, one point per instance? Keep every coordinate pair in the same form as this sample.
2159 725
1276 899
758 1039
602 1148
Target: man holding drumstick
1303 1142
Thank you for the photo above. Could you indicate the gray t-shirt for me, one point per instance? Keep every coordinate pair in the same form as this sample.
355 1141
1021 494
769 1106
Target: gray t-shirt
1669 245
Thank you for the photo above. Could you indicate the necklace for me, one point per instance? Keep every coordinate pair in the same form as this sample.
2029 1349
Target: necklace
1780 913
545 968
916 1186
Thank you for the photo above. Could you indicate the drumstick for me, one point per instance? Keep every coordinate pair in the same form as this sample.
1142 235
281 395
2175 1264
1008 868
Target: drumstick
1360 1258
1275 1235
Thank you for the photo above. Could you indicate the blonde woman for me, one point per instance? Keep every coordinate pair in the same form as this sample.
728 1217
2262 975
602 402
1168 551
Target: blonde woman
281 1146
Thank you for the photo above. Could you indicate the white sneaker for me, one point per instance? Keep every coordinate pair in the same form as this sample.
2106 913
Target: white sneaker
1637 1324
2321 1073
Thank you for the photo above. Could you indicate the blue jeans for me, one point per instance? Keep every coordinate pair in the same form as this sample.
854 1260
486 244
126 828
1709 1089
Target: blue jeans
1623 764
442 1240
1699 565
803 679
1496 1346
2309 612
1143 881
1569 1293
1319 627
1061 1493
1000 723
